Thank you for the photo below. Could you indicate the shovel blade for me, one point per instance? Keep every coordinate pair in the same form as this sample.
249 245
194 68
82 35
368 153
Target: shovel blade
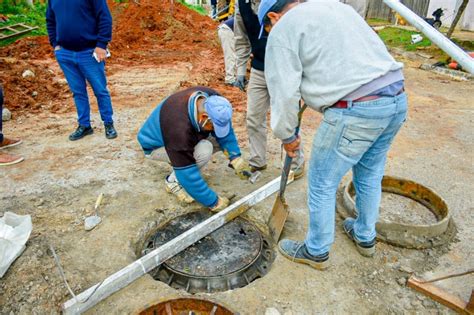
278 217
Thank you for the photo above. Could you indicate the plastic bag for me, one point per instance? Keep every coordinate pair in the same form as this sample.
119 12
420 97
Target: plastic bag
14 232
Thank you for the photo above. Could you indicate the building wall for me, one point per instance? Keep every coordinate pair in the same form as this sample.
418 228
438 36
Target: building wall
377 9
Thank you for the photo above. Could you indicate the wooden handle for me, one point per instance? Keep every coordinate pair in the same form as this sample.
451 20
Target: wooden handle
99 201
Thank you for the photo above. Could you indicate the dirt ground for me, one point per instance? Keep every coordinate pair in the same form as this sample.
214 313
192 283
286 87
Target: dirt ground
59 181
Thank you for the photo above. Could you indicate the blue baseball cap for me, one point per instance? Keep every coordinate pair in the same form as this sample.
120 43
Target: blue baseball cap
263 9
219 110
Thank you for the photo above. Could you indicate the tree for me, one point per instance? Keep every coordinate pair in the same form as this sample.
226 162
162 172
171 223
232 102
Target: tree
461 9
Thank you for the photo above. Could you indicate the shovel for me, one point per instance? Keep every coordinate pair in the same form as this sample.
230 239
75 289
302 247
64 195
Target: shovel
94 220
280 209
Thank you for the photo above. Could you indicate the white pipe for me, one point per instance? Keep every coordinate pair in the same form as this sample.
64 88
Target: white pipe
466 61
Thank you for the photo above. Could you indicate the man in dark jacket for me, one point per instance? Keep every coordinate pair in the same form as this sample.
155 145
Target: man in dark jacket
249 41
79 31
185 129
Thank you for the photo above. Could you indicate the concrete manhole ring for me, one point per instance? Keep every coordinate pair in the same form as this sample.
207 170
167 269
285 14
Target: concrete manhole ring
401 234
230 257
186 306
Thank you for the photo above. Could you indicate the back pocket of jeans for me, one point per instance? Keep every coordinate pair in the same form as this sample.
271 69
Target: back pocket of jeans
356 140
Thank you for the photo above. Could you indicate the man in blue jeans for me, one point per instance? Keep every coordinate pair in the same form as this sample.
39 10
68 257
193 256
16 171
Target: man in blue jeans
324 53
79 31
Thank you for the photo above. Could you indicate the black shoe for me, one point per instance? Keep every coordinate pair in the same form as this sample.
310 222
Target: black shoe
81 132
110 132
366 249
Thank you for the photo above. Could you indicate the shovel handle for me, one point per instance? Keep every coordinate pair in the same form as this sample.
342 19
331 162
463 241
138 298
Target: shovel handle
284 175
288 159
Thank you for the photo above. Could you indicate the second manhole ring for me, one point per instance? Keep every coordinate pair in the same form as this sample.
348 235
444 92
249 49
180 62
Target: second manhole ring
407 233
229 258
186 306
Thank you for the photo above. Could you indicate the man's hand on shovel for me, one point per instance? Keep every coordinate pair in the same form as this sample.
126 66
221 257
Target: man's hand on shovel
292 148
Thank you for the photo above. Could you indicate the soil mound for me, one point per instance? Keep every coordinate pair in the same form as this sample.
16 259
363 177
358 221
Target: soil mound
144 32
158 23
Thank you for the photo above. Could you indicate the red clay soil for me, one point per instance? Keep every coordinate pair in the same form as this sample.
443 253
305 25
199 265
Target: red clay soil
152 32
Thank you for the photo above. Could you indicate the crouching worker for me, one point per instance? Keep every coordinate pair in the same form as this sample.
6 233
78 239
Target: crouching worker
185 129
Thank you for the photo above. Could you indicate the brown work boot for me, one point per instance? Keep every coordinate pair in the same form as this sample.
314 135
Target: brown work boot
7 143
9 159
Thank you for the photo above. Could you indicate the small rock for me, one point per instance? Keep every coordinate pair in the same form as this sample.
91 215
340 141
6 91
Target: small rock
427 303
6 114
406 269
401 281
34 94
39 202
272 311
28 74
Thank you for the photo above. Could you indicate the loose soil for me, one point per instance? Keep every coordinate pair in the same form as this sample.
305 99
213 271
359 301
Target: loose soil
59 181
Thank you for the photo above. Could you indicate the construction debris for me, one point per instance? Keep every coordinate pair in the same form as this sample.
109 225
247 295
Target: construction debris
436 293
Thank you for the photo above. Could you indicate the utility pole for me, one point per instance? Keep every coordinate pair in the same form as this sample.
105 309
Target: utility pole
461 9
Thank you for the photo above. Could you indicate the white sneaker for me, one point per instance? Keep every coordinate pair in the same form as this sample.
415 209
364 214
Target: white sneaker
176 189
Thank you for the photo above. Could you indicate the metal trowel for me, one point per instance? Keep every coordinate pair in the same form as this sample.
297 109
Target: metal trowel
94 220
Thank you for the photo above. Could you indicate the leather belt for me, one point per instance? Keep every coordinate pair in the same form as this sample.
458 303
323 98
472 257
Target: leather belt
345 103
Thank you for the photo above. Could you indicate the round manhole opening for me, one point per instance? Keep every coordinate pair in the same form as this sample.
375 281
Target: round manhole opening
231 257
186 306
412 215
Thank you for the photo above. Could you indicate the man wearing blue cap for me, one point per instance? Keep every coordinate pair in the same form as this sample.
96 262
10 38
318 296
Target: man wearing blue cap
184 130
324 53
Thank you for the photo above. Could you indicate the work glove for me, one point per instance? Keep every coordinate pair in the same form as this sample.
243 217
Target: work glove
240 82
222 203
241 168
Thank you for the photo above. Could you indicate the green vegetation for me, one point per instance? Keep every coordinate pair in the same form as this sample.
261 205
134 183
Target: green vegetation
22 13
199 9
377 22
396 37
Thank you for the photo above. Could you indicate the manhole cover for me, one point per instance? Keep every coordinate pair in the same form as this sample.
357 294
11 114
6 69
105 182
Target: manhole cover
186 306
230 257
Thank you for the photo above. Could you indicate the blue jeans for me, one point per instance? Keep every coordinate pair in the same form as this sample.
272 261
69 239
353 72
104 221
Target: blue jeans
358 137
79 67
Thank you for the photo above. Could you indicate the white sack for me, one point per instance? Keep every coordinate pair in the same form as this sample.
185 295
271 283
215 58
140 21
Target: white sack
14 232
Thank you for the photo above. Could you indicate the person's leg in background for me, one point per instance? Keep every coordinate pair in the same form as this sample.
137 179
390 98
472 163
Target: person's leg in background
67 60
94 72
7 159
226 36
258 103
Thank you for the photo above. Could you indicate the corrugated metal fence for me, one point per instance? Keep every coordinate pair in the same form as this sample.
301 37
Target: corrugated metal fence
378 10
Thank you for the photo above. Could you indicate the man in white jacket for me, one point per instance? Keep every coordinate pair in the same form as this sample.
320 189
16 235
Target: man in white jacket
324 53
